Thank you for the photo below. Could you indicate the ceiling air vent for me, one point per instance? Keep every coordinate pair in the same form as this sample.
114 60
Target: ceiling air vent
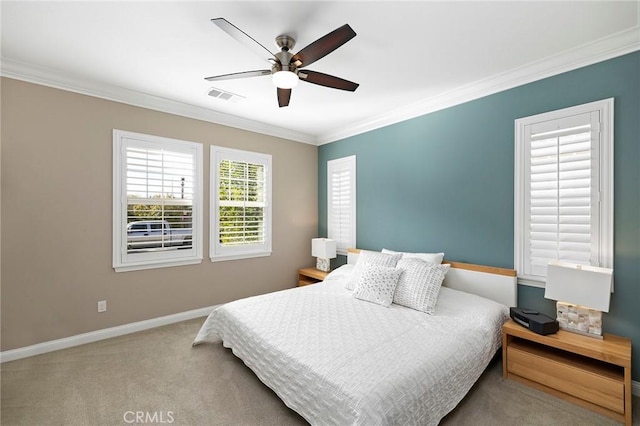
224 95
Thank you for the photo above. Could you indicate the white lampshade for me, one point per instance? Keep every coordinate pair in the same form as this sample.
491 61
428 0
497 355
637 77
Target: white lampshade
584 285
323 248
285 79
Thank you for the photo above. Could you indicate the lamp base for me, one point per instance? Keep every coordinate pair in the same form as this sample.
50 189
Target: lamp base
323 264
579 319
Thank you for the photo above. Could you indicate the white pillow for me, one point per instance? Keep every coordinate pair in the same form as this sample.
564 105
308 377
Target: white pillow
377 284
419 284
341 272
427 257
371 258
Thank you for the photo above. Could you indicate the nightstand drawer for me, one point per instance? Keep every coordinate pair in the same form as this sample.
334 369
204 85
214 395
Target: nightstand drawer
587 379
306 281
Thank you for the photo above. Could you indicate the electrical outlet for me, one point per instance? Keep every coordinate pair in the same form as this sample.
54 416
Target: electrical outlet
102 306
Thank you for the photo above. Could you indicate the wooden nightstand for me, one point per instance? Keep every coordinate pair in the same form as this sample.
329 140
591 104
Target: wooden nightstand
308 276
593 373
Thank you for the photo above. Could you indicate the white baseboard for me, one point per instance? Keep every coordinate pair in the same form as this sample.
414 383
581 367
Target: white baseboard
94 336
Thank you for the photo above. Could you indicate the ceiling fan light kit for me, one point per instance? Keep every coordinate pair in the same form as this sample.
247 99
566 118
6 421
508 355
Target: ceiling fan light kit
285 79
285 65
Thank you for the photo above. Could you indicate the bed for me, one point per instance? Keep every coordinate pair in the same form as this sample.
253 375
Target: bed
339 360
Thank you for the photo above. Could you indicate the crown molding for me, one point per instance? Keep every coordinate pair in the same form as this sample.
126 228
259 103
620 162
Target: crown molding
607 48
46 77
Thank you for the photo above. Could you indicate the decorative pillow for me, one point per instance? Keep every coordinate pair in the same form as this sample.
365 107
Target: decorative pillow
377 284
427 257
371 258
419 285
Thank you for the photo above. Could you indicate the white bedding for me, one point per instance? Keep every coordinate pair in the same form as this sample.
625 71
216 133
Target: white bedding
337 360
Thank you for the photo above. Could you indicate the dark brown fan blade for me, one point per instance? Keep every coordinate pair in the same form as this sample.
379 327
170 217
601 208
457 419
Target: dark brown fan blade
242 37
323 46
244 74
327 80
283 97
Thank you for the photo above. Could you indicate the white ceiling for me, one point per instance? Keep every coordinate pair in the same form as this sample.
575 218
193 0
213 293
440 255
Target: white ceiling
409 57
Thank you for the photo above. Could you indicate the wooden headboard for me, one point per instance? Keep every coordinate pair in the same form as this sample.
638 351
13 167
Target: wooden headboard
499 284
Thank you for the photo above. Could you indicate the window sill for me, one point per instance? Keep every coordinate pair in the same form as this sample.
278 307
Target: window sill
531 281
224 258
164 264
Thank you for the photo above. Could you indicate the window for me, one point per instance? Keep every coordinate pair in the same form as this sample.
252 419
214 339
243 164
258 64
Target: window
240 204
564 189
341 202
157 202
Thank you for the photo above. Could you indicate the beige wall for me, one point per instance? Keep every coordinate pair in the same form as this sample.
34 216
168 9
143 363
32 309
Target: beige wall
57 212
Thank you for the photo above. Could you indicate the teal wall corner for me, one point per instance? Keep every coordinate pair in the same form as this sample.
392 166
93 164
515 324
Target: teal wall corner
444 181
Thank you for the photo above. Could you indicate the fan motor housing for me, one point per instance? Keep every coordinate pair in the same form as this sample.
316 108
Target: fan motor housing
285 42
283 64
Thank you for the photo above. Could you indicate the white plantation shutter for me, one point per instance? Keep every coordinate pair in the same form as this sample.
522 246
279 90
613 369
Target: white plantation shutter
160 190
562 190
341 202
240 204
157 201
561 185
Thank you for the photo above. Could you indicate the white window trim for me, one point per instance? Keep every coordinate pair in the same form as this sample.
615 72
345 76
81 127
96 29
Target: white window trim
605 107
334 165
217 253
121 261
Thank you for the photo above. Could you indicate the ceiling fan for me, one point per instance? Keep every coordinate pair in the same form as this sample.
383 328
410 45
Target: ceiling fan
286 67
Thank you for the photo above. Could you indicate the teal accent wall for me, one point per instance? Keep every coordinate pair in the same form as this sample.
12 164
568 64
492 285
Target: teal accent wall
444 181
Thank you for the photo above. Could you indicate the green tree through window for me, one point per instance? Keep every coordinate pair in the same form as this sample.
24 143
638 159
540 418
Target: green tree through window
241 203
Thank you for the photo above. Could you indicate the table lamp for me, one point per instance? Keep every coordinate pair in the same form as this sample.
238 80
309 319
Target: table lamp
582 293
324 249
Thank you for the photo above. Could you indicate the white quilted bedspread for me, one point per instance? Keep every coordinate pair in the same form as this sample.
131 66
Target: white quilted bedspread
337 360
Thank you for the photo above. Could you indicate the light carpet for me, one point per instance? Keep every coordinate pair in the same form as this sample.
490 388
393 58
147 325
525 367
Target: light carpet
156 377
